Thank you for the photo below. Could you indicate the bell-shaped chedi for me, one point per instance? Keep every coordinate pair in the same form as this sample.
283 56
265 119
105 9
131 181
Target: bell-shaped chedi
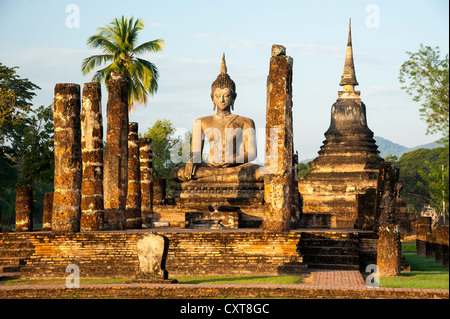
348 160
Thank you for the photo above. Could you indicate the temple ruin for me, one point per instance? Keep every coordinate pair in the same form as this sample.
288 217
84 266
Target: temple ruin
345 172
225 215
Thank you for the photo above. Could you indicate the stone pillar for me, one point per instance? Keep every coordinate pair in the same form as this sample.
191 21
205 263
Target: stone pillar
388 247
133 210
67 141
423 233
115 163
159 191
430 246
146 170
92 211
24 209
279 180
442 239
47 212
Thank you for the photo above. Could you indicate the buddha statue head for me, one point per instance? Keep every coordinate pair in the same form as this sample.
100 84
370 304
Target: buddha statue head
223 90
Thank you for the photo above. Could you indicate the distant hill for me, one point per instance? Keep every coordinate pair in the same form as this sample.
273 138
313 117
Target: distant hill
387 147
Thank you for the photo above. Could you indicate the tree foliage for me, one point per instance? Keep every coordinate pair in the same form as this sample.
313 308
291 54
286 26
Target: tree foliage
15 100
26 141
32 147
426 77
421 172
163 140
118 40
304 169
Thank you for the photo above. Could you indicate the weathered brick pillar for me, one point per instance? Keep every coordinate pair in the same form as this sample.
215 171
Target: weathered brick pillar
133 211
24 209
47 212
115 165
430 246
92 211
146 170
67 141
388 247
159 190
279 180
423 233
442 239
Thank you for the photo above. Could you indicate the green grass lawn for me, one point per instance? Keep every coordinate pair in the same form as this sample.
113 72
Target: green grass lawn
425 272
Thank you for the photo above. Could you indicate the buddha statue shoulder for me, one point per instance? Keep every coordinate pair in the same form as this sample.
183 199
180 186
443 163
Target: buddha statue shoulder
232 140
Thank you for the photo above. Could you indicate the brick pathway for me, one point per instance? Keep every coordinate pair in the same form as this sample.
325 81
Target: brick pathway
336 279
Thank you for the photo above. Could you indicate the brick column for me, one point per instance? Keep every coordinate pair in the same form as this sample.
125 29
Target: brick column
442 239
279 180
92 211
67 141
24 209
423 233
133 209
388 247
159 190
146 170
47 212
115 163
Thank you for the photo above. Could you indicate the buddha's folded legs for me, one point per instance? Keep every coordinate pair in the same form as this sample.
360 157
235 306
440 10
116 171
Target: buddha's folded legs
247 172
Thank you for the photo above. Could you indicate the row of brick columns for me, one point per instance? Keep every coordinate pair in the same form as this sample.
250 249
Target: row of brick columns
432 243
96 187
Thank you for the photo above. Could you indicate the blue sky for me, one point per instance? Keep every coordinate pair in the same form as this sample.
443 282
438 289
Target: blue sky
35 36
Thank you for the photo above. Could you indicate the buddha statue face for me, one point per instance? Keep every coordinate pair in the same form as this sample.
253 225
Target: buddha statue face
223 99
223 90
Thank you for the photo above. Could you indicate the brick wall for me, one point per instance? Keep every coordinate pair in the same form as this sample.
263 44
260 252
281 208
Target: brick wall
113 254
183 291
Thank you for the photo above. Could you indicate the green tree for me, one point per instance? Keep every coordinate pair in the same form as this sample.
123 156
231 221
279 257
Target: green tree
304 169
15 100
426 78
163 141
32 147
421 173
118 40
26 143
391 158
435 179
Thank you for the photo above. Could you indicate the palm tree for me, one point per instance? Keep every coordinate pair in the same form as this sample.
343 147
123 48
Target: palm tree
118 42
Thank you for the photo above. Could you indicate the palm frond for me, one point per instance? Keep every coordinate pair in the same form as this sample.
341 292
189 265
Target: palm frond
150 46
102 42
118 42
93 61
150 75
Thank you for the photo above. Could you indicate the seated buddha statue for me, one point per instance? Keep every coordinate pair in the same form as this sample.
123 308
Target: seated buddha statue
232 141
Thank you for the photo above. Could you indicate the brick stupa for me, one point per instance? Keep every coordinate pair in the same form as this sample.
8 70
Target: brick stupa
348 161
